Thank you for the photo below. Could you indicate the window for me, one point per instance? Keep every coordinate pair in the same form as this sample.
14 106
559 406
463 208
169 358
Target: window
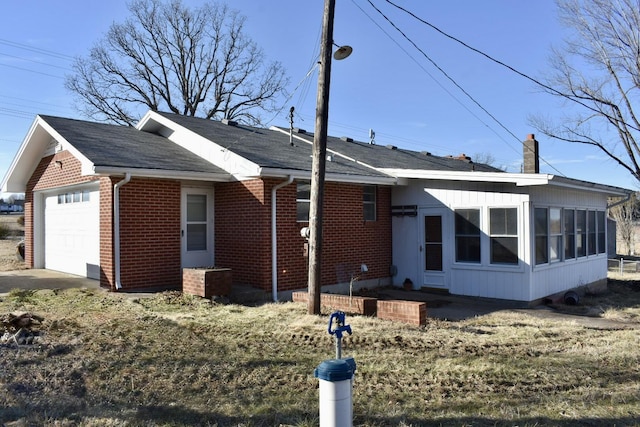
75 197
369 202
303 201
581 233
503 228
569 233
602 234
468 235
542 240
433 242
555 235
591 232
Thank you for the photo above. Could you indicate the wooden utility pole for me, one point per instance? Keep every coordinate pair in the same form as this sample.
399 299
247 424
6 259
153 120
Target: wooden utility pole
319 160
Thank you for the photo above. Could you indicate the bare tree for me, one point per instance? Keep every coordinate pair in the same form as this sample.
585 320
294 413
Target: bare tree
626 216
598 68
189 61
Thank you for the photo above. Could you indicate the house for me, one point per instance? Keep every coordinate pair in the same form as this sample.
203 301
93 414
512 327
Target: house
132 207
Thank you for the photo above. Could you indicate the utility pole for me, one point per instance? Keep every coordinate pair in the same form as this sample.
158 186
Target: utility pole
319 160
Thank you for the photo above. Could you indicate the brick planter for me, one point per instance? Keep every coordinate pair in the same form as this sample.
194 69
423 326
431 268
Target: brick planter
206 282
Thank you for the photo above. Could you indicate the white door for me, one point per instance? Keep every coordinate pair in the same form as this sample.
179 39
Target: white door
434 248
197 227
72 232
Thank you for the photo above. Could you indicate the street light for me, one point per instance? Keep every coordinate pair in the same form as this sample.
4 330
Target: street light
318 165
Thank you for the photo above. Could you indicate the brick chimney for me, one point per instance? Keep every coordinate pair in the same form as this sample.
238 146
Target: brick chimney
531 157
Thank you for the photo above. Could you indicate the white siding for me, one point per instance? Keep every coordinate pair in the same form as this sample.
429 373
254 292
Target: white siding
523 282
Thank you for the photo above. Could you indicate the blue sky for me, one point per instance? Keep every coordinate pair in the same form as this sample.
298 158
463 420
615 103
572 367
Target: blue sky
385 85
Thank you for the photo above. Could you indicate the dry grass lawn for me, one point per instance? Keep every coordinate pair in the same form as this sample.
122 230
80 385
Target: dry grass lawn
105 359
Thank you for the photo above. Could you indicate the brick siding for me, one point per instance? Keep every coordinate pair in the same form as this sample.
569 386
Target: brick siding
243 234
150 234
150 230
412 312
357 305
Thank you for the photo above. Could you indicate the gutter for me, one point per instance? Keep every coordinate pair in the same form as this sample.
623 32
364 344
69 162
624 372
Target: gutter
619 202
274 238
116 226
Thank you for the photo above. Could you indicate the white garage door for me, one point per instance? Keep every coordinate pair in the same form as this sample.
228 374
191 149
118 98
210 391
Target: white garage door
72 232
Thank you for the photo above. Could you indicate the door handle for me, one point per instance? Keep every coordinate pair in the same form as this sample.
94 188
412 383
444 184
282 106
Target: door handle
181 233
420 248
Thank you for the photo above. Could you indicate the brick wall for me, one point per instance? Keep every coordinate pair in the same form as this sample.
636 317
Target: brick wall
150 234
412 312
356 305
243 234
48 175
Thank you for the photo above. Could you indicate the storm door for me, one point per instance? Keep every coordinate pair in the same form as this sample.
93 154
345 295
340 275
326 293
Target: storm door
433 248
197 227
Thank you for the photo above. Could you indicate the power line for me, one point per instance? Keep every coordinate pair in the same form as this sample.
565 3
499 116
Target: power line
37 50
32 71
520 73
433 78
34 61
453 80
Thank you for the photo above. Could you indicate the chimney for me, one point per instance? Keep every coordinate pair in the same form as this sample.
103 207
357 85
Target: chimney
531 157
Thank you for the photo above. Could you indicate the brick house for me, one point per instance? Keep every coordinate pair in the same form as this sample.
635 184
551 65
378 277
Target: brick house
132 207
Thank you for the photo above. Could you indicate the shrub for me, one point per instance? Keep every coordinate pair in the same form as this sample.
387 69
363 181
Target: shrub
4 231
21 220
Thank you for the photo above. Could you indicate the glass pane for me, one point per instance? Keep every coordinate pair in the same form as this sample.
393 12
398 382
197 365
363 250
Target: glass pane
433 229
196 207
602 240
555 225
503 221
369 194
433 257
468 249
581 233
555 246
369 212
569 246
468 221
540 218
581 221
433 242
542 250
196 237
504 250
303 191
591 230
302 211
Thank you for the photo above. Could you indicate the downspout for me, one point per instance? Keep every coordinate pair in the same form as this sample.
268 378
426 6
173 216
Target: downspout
116 226
274 238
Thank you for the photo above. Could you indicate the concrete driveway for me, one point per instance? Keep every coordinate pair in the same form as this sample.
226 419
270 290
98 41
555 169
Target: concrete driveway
43 279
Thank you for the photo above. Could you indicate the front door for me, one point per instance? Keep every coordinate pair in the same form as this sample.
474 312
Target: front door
197 227
434 249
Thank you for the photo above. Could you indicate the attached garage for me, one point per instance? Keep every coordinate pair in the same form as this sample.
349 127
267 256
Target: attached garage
72 231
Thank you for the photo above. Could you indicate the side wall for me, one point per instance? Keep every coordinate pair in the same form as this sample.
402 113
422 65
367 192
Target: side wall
473 279
549 279
48 175
243 235
150 234
524 282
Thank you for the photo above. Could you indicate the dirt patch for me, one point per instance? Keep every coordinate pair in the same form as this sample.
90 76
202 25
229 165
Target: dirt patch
9 259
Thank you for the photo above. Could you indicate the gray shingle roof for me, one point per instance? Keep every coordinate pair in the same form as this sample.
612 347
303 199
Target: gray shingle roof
109 145
267 148
386 157
126 147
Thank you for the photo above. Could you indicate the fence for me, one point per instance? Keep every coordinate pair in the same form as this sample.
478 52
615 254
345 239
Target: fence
623 266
